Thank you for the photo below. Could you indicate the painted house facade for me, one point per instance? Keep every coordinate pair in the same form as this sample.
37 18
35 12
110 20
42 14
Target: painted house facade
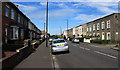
106 27
84 30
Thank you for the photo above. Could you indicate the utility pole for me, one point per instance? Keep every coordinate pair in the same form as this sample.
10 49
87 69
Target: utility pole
44 30
60 30
47 25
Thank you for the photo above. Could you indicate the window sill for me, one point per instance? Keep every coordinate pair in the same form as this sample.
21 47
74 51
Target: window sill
13 39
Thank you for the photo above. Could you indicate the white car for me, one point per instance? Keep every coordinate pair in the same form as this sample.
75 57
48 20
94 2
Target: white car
75 40
59 45
50 39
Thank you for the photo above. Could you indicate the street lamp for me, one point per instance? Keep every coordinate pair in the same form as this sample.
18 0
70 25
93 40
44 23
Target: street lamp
47 25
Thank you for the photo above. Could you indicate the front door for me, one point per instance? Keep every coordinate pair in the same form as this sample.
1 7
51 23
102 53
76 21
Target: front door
103 35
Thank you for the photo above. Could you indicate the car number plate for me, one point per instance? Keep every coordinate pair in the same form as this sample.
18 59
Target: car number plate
61 45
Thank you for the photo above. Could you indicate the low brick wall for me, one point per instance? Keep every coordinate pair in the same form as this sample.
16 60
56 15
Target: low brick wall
11 62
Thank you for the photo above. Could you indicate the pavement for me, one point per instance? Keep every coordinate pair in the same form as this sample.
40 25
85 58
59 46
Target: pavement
40 59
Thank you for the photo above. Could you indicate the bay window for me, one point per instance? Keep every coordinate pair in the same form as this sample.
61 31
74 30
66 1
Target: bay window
14 32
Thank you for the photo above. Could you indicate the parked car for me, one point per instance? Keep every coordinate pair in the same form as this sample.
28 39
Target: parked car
50 39
75 40
59 45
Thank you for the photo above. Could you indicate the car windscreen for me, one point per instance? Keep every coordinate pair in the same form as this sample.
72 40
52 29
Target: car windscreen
58 41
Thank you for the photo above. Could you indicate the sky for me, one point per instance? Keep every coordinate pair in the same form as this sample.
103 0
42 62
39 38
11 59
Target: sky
77 13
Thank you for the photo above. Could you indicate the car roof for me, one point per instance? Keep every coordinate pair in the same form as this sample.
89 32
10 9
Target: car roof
57 39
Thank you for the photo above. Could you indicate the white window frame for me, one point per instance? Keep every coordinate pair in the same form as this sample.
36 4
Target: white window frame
14 28
108 23
93 27
103 27
87 29
98 26
90 28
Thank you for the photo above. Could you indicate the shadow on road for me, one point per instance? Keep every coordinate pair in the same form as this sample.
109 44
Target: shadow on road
59 53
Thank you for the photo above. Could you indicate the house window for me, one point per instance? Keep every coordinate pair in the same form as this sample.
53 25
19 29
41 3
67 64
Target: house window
12 14
93 26
90 28
14 32
108 36
108 24
7 11
22 34
98 26
22 20
19 18
103 25
87 28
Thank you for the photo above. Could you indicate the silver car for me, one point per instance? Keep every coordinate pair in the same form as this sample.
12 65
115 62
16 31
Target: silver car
59 45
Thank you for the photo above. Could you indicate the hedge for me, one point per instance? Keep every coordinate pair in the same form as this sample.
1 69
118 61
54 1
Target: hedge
104 41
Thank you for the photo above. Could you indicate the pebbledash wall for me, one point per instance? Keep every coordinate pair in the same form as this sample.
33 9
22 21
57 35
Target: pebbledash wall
14 24
106 27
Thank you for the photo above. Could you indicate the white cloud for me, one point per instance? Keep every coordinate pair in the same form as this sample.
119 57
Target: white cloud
64 0
26 8
86 18
104 7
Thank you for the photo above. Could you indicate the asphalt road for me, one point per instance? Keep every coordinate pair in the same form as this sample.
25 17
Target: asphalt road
87 57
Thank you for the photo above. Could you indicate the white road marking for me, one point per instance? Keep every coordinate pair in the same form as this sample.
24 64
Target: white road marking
55 62
87 49
106 54
84 48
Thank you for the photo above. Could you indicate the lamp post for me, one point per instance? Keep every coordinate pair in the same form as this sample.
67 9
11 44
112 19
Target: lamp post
47 25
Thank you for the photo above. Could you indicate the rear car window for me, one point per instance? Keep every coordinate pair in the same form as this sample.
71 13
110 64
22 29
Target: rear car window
58 41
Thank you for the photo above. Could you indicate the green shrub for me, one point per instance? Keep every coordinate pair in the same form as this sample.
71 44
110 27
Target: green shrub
70 38
87 37
104 41
11 47
81 39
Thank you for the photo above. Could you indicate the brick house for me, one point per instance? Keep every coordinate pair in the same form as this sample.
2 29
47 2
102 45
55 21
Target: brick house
14 24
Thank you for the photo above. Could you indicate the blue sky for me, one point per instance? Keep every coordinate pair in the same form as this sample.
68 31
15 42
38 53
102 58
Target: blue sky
77 13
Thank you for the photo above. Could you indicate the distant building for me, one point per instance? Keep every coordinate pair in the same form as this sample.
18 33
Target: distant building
80 31
70 33
65 34
106 28
84 30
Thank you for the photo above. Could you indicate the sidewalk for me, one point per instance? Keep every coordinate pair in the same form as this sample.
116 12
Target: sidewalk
40 58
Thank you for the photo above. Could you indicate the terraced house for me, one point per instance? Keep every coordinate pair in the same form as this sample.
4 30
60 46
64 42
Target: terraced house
14 24
106 27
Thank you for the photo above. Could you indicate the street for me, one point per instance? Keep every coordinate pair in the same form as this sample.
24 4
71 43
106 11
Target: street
84 56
